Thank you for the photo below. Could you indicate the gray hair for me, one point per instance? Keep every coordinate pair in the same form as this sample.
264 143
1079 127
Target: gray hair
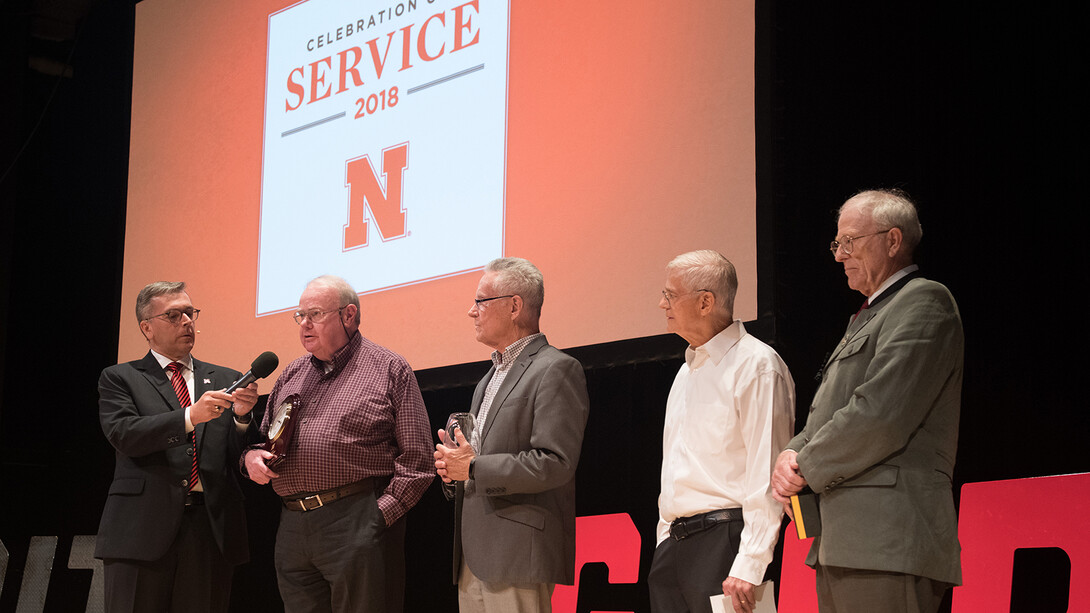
520 277
707 269
154 290
890 208
345 294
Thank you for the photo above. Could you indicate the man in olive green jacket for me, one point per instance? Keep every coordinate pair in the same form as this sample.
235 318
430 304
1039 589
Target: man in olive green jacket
879 444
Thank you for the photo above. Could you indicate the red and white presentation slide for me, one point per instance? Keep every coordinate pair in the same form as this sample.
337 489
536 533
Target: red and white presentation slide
402 120
403 145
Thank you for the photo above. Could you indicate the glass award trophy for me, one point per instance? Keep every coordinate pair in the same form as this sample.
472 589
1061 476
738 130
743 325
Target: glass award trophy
459 421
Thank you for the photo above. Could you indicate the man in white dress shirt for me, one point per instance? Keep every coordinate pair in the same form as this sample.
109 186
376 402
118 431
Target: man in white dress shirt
730 410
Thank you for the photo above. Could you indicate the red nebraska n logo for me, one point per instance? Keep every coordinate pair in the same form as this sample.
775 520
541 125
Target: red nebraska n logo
365 192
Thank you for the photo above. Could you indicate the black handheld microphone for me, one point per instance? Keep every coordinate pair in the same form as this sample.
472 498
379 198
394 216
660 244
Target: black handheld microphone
261 367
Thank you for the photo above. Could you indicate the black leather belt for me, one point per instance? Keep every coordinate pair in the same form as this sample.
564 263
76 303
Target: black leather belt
688 526
193 499
315 501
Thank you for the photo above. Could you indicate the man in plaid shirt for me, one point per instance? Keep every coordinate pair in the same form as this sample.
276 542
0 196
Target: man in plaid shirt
358 460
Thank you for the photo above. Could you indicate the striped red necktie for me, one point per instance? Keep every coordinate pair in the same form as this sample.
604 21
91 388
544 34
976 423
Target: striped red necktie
177 381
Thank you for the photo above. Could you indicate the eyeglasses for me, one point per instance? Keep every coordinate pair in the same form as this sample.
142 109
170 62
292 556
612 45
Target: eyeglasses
846 242
479 301
314 315
670 296
174 316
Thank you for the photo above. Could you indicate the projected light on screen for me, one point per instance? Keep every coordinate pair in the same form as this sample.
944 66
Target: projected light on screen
402 145
384 145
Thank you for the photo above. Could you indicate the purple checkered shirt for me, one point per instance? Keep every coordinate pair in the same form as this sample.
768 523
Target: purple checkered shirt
363 418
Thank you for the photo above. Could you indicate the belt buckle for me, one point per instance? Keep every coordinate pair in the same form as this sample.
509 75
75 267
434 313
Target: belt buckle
317 497
678 531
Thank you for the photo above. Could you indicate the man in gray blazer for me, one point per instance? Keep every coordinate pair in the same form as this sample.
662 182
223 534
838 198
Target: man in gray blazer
169 541
514 534
879 444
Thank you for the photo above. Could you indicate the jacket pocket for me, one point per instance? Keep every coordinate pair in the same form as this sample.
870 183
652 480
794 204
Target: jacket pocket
523 514
853 347
883 475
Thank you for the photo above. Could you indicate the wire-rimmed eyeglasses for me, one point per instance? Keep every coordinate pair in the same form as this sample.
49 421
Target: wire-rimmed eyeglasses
174 316
314 315
845 242
671 297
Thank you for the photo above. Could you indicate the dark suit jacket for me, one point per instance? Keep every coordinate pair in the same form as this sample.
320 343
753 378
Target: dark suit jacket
880 441
141 417
515 519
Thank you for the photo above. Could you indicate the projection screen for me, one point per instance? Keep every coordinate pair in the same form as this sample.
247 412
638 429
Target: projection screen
403 145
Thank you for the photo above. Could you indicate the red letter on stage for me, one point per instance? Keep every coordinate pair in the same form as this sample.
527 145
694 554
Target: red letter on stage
612 539
998 517
366 193
995 519
796 578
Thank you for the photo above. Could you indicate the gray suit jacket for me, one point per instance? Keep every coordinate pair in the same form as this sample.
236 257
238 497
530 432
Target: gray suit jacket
142 419
515 519
880 441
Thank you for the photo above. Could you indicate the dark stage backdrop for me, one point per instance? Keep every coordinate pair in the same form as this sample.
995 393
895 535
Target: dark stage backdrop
971 108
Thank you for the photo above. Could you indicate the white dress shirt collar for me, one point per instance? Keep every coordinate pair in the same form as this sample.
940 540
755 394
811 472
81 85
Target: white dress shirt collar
716 347
895 277
163 360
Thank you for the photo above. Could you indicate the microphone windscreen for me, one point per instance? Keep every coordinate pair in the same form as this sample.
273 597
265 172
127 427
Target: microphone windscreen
264 364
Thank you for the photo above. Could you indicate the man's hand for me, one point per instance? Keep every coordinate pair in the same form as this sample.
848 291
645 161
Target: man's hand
786 478
210 406
258 472
245 398
741 594
452 463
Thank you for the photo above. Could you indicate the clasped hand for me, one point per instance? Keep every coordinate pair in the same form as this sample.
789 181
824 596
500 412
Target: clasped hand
452 463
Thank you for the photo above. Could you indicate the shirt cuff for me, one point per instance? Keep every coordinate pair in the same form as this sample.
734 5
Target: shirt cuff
391 509
748 568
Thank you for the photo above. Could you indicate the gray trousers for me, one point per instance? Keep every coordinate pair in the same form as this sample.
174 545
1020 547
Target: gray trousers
852 590
341 557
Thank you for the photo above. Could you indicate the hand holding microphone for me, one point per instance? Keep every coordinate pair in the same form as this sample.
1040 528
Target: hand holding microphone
245 394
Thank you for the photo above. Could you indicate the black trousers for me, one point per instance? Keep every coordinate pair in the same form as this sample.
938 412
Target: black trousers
686 573
192 576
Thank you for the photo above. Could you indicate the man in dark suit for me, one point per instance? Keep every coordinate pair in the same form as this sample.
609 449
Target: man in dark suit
169 540
514 534
879 444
